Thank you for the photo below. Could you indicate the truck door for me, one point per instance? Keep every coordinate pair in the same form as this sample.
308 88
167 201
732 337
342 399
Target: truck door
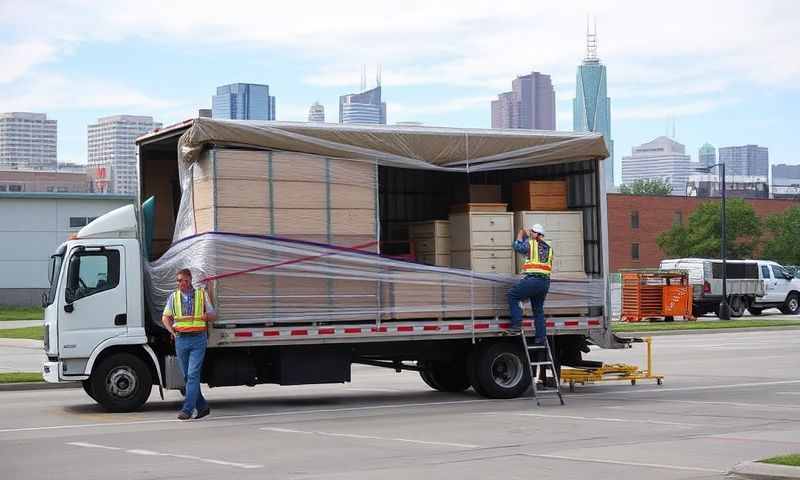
781 284
93 305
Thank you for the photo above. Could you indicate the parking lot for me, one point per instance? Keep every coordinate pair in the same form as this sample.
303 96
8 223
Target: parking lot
727 397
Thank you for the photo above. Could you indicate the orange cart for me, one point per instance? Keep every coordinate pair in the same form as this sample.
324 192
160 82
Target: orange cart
653 293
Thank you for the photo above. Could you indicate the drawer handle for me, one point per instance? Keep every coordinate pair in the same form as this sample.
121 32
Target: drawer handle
491 222
493 267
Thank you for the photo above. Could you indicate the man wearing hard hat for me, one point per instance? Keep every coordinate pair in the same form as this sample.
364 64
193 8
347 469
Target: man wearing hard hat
535 281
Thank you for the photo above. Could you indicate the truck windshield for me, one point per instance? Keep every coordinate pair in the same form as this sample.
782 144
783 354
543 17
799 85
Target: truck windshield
53 271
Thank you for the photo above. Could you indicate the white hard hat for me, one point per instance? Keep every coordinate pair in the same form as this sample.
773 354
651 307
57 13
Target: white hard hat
538 228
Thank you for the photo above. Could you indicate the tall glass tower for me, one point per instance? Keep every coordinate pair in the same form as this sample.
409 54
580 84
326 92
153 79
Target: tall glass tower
243 101
591 108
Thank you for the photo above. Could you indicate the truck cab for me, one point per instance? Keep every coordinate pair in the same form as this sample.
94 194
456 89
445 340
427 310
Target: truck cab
782 289
94 311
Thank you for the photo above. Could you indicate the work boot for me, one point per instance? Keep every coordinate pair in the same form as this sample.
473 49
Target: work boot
511 331
202 413
184 416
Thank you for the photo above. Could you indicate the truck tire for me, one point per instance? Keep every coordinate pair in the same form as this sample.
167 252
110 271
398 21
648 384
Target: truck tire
737 305
446 376
755 311
122 382
792 305
87 387
498 370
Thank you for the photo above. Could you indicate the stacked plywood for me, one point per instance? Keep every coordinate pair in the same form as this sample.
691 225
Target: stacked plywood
285 194
539 195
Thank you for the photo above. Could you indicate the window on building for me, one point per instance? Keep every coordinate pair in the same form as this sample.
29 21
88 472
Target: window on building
50 188
62 189
3 188
677 218
77 222
635 219
15 188
635 251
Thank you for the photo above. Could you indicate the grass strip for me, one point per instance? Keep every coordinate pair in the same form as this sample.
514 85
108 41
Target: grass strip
21 377
20 313
34 333
699 325
792 460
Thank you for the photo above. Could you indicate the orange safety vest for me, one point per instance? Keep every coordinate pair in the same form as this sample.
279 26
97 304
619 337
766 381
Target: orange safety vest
193 323
536 264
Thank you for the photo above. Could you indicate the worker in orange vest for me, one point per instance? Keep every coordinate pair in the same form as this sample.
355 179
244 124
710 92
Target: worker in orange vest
186 317
535 281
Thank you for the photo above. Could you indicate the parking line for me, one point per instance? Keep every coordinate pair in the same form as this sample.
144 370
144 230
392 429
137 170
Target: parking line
370 437
247 466
617 462
598 419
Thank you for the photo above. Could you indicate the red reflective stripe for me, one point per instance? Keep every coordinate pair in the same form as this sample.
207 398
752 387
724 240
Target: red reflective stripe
549 324
481 326
327 331
352 330
271 333
527 323
594 322
243 334
455 327
571 323
428 328
299 332
505 325
405 329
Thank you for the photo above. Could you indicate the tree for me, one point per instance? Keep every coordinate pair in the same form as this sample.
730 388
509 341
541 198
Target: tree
647 187
784 230
701 236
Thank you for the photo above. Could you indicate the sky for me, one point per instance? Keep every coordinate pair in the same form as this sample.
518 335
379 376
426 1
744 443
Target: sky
724 72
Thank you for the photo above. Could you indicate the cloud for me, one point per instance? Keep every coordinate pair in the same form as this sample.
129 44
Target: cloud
398 110
19 58
661 111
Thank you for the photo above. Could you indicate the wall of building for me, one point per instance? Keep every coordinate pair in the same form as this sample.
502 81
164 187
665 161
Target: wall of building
32 226
656 215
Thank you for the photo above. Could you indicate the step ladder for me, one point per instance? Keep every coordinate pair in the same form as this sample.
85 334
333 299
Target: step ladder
536 363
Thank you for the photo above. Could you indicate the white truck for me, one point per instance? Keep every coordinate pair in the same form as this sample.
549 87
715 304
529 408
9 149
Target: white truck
100 329
752 285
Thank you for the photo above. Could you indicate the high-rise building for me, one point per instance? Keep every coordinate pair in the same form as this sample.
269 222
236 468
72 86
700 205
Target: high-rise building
662 158
749 160
27 141
112 149
364 108
707 155
204 113
592 107
316 113
243 101
531 104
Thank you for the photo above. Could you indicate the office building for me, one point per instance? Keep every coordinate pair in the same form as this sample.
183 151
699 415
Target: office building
316 113
748 160
707 155
530 104
27 141
662 158
363 108
592 106
243 101
112 148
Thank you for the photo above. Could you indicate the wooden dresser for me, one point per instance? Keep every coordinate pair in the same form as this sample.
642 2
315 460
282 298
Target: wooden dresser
481 241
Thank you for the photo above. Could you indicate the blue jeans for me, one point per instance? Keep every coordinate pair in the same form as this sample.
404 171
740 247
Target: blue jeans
191 349
535 288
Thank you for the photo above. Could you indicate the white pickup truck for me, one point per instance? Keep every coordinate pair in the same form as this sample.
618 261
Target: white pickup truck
752 285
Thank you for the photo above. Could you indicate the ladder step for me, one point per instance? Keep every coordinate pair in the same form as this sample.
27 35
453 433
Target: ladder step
543 363
547 391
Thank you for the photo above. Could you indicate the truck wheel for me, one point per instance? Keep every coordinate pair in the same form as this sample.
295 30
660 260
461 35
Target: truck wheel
737 306
792 305
428 379
87 387
498 370
121 383
755 311
448 376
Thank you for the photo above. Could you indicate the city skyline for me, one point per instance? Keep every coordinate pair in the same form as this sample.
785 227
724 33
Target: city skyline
530 104
732 91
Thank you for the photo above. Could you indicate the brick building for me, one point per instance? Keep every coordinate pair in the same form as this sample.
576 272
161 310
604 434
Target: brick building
44 181
636 221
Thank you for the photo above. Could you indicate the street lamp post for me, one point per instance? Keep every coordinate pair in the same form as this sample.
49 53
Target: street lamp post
724 307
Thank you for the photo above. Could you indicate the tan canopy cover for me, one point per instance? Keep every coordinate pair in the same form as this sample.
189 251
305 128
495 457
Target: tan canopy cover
451 149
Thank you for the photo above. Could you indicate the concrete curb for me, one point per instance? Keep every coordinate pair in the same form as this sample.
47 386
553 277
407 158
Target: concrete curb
15 387
765 471
657 333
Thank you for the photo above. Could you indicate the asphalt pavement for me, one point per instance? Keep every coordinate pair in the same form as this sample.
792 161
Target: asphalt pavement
726 398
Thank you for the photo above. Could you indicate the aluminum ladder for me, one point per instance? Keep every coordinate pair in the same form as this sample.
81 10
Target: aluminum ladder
536 363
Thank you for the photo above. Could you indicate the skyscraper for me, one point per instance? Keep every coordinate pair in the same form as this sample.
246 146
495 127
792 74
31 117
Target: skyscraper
364 108
28 141
707 155
591 106
662 158
112 148
750 160
243 101
316 113
531 104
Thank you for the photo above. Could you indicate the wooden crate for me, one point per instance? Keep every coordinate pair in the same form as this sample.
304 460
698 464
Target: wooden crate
539 195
